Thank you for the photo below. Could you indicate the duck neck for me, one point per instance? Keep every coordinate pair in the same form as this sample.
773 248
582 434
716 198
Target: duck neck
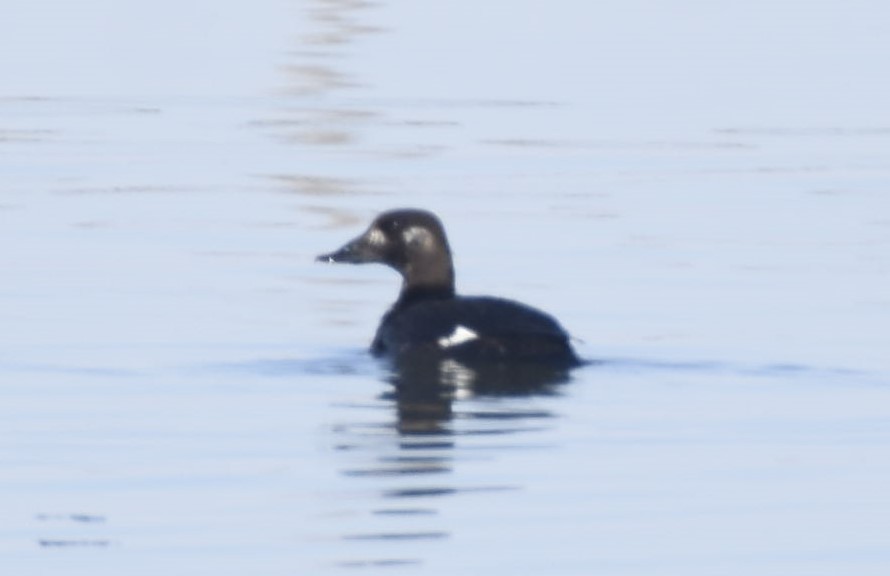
428 278
411 294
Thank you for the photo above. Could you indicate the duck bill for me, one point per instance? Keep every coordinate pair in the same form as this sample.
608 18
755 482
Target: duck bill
357 251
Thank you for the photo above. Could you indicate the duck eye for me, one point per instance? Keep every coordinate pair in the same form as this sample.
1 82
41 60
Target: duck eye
416 236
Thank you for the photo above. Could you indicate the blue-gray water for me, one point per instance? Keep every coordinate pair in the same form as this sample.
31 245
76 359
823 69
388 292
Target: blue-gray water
699 192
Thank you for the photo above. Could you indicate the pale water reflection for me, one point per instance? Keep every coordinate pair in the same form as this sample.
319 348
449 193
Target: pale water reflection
415 461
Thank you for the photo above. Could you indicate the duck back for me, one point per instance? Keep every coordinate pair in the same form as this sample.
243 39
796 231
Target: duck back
480 328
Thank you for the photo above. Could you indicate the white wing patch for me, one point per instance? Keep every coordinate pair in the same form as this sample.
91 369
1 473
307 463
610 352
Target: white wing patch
460 335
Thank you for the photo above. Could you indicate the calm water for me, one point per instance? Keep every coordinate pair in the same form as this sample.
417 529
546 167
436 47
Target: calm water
699 193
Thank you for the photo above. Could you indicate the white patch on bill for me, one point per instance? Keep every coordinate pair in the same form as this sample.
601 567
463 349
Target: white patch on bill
460 335
376 237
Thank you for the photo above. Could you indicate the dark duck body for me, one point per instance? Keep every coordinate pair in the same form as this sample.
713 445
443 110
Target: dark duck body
429 319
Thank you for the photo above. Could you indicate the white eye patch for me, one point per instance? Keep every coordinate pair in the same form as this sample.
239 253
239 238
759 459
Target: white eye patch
417 236
460 335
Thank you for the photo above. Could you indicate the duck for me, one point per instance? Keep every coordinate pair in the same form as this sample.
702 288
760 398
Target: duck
429 319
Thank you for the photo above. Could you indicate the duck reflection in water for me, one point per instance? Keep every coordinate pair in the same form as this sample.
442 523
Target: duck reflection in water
442 345
425 387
